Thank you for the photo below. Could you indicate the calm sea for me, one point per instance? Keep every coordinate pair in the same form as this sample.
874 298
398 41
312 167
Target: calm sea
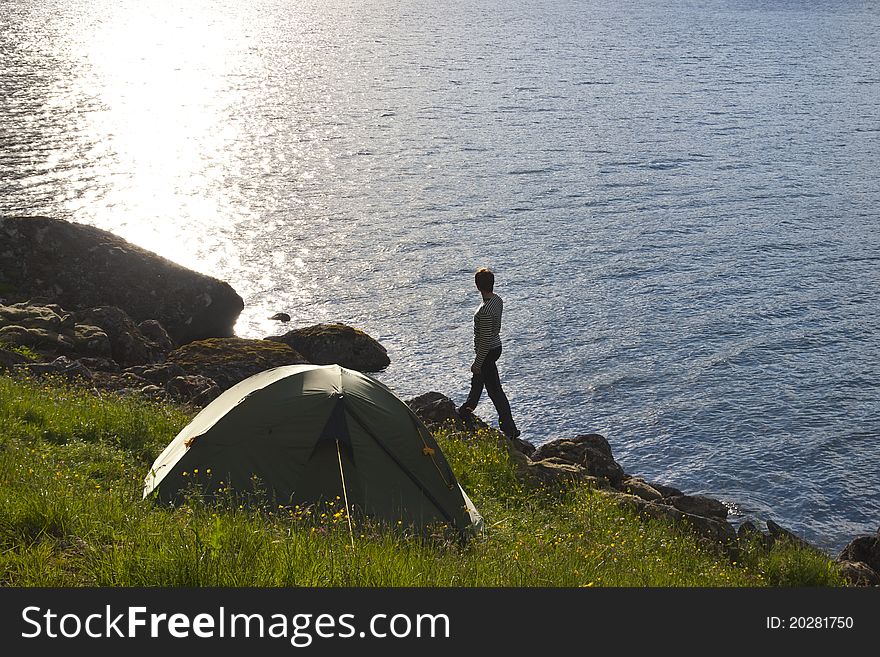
680 200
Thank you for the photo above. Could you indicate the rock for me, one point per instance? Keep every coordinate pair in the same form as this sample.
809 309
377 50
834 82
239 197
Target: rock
573 446
280 317
858 573
748 533
698 505
749 529
435 409
230 360
50 331
78 267
128 345
714 529
591 441
635 503
326 344
552 472
591 451
156 333
60 366
778 533
131 380
520 445
197 389
158 374
153 392
640 488
666 491
50 318
865 549
91 342
100 364
717 533
9 359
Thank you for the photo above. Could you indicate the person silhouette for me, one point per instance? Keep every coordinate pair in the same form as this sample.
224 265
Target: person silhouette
487 347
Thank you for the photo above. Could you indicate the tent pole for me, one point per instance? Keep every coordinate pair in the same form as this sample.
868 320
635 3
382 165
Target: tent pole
345 495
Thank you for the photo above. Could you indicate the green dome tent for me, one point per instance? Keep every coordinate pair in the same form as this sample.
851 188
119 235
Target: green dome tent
300 431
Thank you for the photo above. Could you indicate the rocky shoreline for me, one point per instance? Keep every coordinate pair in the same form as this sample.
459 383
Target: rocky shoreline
81 303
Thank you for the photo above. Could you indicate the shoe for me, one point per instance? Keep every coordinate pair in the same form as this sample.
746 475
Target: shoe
510 430
466 412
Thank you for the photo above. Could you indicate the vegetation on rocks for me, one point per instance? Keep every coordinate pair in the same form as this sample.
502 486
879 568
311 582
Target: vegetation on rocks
72 464
231 360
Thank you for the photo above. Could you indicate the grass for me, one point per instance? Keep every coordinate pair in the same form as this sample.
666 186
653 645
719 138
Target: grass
72 465
22 350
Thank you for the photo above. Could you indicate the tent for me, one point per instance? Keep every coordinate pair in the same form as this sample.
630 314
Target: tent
309 434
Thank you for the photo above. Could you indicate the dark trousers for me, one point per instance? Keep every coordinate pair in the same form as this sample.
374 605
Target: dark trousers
489 378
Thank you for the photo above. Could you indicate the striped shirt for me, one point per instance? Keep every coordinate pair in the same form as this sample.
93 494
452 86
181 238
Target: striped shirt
487 328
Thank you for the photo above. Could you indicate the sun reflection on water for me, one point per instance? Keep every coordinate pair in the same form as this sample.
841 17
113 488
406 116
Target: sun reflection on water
166 160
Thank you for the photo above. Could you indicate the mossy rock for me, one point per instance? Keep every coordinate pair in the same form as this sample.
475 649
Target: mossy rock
9 357
329 344
88 341
230 360
45 318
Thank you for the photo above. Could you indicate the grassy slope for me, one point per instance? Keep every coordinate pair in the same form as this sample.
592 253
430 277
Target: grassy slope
72 465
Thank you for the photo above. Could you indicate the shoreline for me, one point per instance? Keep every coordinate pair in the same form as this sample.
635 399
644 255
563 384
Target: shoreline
100 342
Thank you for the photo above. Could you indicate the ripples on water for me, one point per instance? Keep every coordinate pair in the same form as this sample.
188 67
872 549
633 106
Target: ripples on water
680 201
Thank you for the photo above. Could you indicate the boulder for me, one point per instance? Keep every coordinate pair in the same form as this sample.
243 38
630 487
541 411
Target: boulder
858 573
435 410
153 392
79 266
573 447
640 488
865 549
100 364
748 533
9 359
50 331
91 342
635 503
50 318
38 340
230 360
520 445
778 533
62 366
158 374
666 491
128 345
196 389
715 530
698 505
326 344
591 451
153 331
552 472
129 381
718 533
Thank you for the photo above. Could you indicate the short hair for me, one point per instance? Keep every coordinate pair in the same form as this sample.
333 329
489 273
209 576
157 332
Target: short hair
485 279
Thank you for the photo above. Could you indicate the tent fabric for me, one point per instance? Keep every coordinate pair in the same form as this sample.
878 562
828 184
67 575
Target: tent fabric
285 430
